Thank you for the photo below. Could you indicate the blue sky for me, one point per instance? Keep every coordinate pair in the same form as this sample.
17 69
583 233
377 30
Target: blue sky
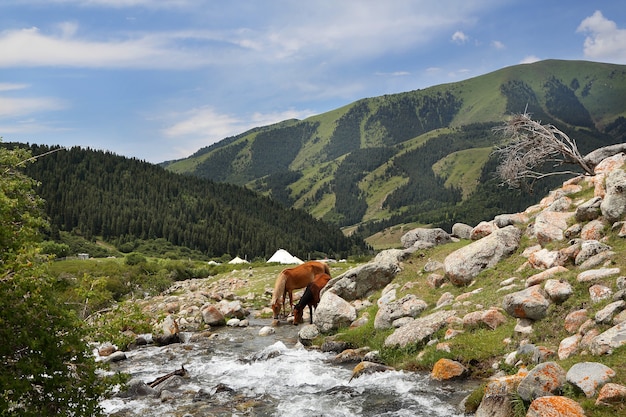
159 79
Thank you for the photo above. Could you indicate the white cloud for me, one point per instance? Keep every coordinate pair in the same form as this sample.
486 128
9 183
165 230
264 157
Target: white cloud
12 86
529 59
498 45
604 39
459 37
13 107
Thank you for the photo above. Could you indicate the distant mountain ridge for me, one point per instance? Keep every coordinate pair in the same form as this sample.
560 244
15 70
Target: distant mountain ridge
421 156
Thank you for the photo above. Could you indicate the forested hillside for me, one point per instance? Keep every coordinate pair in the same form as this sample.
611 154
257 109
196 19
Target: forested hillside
97 194
421 156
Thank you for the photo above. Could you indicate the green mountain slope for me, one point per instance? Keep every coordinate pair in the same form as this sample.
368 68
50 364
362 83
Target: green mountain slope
124 201
420 156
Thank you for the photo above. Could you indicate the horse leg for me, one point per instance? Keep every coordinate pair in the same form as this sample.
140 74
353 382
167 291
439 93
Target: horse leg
311 313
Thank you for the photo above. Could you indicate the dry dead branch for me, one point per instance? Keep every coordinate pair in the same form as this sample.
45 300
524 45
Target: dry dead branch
529 146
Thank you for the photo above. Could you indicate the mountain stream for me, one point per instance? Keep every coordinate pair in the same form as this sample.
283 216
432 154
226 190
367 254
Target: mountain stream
239 373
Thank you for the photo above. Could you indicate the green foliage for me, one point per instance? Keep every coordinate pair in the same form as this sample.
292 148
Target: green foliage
118 324
98 195
134 259
46 367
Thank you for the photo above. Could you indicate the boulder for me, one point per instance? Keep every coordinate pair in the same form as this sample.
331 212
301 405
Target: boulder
588 249
605 316
611 394
558 290
556 406
610 339
407 306
589 377
462 265
599 293
530 303
504 220
496 400
232 309
212 316
461 230
447 369
435 236
594 230
589 210
361 281
483 229
543 380
545 259
544 275
491 319
613 205
333 312
550 226
419 330
569 346
575 319
595 274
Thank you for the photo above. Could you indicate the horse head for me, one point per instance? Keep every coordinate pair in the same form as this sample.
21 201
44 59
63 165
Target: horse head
276 307
297 314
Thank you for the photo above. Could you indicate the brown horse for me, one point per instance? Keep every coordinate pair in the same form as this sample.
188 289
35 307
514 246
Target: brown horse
292 279
311 297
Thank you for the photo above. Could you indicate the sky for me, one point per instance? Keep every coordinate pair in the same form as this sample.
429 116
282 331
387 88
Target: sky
159 79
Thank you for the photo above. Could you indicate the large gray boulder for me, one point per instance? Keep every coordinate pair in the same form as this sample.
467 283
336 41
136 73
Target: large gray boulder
435 236
543 380
419 330
551 225
613 205
333 312
462 265
361 281
589 377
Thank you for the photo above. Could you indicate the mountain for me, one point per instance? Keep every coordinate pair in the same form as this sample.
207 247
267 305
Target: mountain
96 194
422 156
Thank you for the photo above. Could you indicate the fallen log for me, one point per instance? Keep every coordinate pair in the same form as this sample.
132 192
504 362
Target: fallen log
179 372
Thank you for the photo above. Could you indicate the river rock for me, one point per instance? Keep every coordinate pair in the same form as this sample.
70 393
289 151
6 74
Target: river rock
232 309
266 331
307 334
366 367
530 303
137 388
333 312
419 330
496 400
212 316
556 406
613 205
589 377
407 306
435 236
462 265
545 379
447 369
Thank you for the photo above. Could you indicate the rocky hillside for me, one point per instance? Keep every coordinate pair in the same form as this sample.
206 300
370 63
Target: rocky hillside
532 303
419 156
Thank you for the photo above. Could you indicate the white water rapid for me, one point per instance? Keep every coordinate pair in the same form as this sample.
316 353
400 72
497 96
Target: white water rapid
239 373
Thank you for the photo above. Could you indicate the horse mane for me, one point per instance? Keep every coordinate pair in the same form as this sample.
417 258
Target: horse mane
279 287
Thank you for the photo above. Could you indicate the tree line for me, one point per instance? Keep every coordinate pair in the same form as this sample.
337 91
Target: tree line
121 200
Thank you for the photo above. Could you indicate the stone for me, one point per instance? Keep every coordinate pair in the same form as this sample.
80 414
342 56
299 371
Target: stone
530 303
447 369
544 275
613 205
496 400
435 280
446 299
491 319
169 326
543 380
435 236
594 230
504 220
575 319
419 330
555 406
550 226
597 260
558 291
589 377
589 210
461 230
361 281
596 274
407 306
608 340
483 229
333 312
599 293
569 346
605 316
462 265
266 331
588 249
611 394
212 316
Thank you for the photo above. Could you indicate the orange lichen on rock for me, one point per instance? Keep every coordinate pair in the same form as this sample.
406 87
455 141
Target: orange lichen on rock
446 369
555 406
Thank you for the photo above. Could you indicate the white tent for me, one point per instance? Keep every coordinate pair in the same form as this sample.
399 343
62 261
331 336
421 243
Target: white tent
238 260
281 256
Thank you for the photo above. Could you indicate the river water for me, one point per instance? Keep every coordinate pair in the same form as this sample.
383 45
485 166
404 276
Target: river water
239 373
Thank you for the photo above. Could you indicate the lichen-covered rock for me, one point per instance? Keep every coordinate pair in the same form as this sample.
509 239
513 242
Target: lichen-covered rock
419 330
611 394
610 339
530 303
550 226
589 377
613 205
435 236
407 306
333 312
555 406
543 380
447 369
